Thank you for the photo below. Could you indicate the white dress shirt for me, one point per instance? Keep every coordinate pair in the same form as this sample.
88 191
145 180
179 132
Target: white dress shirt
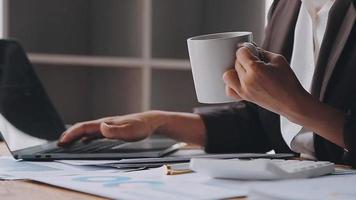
309 33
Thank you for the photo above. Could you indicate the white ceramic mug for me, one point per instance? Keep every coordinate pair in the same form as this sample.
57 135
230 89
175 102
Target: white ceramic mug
210 56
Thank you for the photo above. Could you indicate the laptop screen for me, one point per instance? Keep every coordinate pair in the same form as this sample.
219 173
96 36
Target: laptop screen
27 116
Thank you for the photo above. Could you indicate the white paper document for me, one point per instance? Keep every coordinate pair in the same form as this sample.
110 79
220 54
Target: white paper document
333 187
11 169
148 184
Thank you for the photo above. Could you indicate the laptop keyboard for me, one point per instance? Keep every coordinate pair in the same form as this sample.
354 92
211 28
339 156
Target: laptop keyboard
92 147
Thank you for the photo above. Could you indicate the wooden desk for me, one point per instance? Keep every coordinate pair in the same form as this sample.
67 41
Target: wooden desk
32 190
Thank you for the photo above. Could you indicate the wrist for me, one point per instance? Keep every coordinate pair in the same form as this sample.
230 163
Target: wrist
301 107
319 118
309 112
165 121
157 119
186 127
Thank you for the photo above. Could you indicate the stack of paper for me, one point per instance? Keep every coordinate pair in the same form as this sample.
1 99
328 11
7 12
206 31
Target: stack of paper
116 184
11 169
154 184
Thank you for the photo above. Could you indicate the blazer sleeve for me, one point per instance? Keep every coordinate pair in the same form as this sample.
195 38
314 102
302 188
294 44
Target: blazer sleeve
234 129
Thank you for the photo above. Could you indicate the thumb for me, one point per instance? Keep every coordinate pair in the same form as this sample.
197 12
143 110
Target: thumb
110 131
123 131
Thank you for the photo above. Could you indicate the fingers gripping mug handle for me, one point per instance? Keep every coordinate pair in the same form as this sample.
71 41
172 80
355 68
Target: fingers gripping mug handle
253 49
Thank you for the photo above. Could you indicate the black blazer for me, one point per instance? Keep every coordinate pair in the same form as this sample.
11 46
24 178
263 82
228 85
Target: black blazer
246 127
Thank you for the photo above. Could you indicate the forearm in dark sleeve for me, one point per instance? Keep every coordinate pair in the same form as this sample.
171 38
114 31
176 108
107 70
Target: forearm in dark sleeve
234 129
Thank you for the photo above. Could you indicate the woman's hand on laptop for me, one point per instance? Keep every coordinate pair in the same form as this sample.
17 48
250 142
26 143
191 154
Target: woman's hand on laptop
130 128
135 127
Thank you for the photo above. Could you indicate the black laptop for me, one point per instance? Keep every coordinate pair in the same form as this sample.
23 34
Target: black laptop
30 125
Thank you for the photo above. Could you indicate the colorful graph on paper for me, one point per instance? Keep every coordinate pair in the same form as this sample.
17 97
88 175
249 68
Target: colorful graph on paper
147 185
118 181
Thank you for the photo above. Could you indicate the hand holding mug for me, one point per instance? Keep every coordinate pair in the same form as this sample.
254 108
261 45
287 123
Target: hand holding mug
270 83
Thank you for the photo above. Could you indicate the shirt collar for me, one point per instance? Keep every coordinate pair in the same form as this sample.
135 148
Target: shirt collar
314 6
